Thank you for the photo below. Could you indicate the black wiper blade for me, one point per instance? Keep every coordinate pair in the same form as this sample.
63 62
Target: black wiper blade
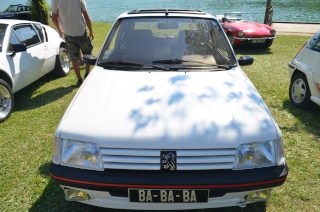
129 63
180 61
158 67
226 67
170 61
120 62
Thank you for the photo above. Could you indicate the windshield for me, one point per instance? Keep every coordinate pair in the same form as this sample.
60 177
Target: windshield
244 17
3 28
167 41
12 8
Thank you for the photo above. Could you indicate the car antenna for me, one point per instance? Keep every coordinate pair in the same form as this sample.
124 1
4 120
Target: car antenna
167 11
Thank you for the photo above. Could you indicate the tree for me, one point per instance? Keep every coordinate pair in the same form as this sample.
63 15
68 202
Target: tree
40 11
268 14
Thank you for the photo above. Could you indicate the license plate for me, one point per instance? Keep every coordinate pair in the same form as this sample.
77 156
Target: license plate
258 41
168 196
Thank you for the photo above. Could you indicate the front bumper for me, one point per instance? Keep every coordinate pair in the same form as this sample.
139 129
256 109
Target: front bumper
254 41
110 188
259 38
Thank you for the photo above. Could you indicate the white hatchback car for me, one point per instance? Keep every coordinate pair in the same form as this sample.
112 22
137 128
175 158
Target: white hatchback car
28 50
305 74
167 120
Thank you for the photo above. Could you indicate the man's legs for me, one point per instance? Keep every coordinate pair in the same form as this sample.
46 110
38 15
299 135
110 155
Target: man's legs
73 50
76 68
87 70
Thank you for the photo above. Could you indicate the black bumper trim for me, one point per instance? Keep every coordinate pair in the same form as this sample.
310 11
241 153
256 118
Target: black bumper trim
219 180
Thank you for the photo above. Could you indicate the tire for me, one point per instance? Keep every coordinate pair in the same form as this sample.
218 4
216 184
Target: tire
299 92
230 38
62 66
268 43
6 101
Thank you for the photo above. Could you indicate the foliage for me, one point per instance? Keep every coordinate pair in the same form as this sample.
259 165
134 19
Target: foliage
40 11
26 137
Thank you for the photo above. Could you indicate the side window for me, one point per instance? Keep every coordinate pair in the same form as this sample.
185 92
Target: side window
13 40
315 44
27 35
41 32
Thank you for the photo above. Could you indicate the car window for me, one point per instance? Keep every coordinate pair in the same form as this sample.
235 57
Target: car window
245 17
27 35
40 32
12 8
315 44
150 40
3 28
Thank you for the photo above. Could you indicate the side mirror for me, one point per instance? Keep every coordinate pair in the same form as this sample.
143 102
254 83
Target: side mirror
21 47
245 60
223 19
89 59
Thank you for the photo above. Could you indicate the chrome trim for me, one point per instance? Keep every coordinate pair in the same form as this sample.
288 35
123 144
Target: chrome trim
186 159
263 38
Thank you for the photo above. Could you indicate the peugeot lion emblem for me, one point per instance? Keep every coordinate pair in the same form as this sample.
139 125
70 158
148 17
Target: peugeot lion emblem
168 160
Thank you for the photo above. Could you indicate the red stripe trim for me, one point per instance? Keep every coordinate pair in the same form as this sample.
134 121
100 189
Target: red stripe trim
168 186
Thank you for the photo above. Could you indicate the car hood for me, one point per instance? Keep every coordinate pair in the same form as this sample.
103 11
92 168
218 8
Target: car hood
7 14
250 28
167 110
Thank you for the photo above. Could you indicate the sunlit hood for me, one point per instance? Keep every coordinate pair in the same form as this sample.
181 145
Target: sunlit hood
164 109
252 27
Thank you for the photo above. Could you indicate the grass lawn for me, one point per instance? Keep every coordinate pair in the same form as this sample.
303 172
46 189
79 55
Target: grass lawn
26 137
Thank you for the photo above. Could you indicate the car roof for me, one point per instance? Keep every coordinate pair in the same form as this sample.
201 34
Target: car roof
22 5
166 12
15 21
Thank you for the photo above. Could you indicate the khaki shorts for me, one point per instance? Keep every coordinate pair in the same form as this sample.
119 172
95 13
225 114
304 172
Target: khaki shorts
76 43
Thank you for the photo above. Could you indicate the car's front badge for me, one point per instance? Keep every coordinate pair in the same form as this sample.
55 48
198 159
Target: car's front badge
168 160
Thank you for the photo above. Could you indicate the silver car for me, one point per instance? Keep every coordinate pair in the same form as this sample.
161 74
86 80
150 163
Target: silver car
305 74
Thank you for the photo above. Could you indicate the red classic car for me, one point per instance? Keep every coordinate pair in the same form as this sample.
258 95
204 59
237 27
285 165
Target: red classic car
242 29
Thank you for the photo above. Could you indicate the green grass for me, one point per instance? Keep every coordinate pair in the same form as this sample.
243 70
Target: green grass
26 137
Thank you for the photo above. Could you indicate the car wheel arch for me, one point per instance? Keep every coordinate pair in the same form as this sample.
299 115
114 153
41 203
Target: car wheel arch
4 76
62 68
6 100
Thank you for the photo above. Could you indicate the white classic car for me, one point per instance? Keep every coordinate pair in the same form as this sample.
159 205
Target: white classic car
304 73
167 120
28 50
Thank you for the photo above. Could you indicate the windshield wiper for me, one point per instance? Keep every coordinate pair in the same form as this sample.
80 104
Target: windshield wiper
180 61
129 63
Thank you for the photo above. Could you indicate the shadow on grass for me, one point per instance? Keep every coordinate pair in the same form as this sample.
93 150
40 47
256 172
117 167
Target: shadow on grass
52 199
310 117
24 100
247 50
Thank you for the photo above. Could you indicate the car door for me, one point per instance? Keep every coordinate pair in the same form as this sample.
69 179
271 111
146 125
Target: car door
51 52
27 66
314 57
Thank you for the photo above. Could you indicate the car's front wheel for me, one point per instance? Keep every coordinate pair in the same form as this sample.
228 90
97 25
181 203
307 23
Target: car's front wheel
268 43
299 92
62 66
6 101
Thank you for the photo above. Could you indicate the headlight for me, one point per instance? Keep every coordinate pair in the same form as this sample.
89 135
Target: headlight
77 154
260 154
240 33
273 32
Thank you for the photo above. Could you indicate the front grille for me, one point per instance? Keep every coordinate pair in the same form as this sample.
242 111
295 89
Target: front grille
149 159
